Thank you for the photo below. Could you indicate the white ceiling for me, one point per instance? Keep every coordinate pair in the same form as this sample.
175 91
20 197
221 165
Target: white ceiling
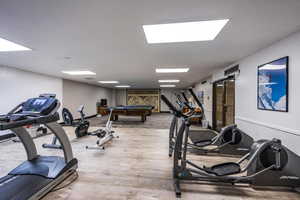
106 36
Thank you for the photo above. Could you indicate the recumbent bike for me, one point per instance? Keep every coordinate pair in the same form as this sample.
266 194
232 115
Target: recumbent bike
81 130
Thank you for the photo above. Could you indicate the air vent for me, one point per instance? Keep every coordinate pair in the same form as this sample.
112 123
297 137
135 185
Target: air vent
89 78
232 70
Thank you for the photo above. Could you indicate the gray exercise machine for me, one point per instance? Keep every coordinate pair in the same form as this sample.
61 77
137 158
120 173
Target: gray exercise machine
230 141
268 163
37 176
104 135
81 127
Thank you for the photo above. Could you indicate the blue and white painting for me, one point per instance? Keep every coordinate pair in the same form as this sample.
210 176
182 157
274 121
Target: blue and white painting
273 85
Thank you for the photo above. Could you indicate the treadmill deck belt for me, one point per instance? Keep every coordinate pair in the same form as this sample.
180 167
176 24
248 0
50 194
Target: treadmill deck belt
21 187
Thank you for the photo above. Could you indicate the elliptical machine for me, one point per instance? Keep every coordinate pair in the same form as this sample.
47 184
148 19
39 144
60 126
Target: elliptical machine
231 141
268 163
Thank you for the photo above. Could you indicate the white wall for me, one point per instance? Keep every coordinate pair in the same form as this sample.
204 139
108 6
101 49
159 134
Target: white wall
207 88
269 124
17 86
76 94
121 96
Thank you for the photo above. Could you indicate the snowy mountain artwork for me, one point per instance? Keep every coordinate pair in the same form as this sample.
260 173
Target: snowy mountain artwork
273 86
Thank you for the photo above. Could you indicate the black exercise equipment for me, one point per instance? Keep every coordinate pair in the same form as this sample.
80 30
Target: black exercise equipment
231 141
268 163
81 125
37 176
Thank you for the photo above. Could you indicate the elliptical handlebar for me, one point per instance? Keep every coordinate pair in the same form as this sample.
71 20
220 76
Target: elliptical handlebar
186 101
174 109
184 96
196 98
197 101
171 106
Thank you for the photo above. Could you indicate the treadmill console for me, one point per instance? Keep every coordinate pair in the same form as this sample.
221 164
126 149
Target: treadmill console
40 105
38 110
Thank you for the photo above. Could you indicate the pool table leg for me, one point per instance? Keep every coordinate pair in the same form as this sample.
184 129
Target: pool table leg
143 117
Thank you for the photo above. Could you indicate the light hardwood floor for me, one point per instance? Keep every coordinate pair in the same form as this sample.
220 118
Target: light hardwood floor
134 167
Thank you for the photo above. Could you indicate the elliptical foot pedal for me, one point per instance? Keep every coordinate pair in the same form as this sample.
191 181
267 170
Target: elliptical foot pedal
224 169
203 143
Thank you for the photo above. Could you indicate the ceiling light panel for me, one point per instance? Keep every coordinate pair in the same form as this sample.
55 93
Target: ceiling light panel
108 82
167 86
78 73
6 46
184 32
168 81
123 86
172 70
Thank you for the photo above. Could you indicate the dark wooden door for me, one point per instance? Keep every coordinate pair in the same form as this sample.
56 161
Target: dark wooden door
223 103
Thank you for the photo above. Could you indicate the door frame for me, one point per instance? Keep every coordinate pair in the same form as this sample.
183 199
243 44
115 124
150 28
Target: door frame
214 124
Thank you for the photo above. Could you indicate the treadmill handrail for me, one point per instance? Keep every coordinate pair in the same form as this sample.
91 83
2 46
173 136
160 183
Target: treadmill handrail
29 121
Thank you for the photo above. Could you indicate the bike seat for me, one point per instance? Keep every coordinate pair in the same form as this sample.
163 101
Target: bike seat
203 143
224 169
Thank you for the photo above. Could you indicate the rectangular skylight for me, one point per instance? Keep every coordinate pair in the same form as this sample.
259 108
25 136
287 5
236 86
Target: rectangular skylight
79 72
6 45
166 86
172 70
122 86
168 81
184 32
108 82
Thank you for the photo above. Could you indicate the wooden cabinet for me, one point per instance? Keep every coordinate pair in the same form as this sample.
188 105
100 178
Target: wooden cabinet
102 110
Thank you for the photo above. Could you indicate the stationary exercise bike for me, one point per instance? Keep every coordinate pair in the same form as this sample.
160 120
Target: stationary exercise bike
104 135
81 125
81 130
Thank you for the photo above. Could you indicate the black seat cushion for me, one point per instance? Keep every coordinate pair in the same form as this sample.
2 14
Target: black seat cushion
224 169
203 143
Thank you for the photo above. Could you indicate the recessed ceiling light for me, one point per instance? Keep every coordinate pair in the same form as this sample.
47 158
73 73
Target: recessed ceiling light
75 73
6 45
172 70
122 86
184 32
108 82
168 81
167 86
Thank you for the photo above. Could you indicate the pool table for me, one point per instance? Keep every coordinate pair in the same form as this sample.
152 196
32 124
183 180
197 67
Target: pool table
132 110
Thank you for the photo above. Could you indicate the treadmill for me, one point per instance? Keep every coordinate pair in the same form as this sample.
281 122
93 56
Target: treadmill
37 176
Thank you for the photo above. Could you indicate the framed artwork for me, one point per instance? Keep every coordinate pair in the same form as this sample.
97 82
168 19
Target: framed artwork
272 85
